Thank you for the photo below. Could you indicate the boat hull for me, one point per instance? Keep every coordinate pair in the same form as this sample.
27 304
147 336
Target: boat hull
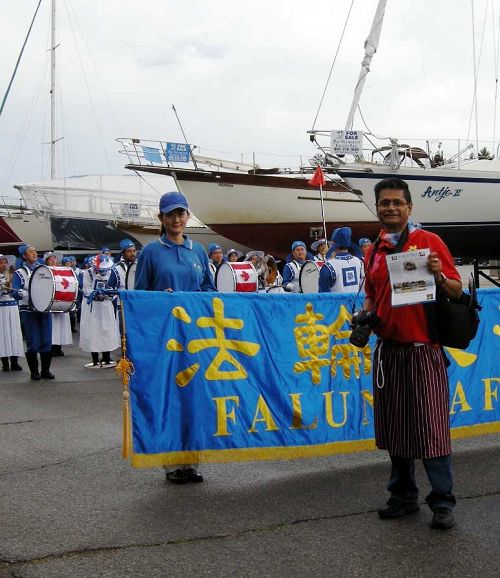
269 212
462 207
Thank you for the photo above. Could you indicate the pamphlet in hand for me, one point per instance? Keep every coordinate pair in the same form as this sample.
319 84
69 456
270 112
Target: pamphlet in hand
411 280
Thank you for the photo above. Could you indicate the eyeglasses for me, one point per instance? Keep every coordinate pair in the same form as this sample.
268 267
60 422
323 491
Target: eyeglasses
386 203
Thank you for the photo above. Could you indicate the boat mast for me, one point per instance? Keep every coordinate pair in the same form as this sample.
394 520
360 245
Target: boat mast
53 93
371 45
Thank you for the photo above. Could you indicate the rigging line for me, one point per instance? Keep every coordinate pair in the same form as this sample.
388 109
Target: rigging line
496 46
88 88
477 64
333 64
103 86
19 59
26 125
148 183
369 131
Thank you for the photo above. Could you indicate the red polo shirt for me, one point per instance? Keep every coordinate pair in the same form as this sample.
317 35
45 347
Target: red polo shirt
408 323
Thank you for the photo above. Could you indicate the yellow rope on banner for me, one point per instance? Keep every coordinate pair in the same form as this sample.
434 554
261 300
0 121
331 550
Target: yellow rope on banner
125 369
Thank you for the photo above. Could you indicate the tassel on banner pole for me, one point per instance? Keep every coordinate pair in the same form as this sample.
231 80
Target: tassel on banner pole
125 369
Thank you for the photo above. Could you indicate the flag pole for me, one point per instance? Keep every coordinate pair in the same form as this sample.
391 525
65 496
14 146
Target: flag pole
323 212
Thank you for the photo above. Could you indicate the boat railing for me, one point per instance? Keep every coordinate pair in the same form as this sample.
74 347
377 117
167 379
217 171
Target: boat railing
11 207
150 152
395 152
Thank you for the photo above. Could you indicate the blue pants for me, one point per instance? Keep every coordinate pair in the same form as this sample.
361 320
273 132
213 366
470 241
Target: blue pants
37 330
402 484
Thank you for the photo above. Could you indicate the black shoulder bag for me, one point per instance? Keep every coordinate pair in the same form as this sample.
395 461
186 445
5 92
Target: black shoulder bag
454 323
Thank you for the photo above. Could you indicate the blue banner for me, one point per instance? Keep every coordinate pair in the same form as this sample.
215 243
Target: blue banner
231 377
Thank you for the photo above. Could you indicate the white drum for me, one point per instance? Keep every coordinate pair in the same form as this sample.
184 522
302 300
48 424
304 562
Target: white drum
236 277
309 276
53 289
130 277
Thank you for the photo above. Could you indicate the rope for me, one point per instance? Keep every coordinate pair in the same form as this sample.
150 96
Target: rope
19 59
333 64
88 89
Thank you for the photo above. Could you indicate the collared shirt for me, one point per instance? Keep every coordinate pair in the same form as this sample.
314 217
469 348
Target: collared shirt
406 324
166 265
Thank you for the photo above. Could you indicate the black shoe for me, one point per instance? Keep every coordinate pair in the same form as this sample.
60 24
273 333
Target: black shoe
57 353
46 358
396 509
5 364
442 519
14 364
193 475
32 360
178 476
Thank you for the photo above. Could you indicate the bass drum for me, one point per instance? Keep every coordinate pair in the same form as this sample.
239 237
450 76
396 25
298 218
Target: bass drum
130 277
53 289
309 276
236 277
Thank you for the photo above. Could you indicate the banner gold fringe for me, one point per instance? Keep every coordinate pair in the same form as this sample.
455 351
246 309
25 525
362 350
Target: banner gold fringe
285 452
125 369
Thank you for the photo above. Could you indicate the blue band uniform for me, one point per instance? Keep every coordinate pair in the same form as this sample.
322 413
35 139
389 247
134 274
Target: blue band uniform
230 377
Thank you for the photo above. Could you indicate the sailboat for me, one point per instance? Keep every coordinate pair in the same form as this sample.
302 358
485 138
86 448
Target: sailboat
270 207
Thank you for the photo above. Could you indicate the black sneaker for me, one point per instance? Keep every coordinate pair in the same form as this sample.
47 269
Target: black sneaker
178 476
442 519
194 475
396 509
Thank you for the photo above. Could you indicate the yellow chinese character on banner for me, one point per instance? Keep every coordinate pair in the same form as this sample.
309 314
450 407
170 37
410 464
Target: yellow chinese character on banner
313 342
220 342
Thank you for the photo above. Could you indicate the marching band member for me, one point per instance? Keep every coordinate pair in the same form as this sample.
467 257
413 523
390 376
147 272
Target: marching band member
343 272
320 247
364 245
37 326
291 271
11 338
118 275
74 315
216 257
233 255
175 263
61 325
98 328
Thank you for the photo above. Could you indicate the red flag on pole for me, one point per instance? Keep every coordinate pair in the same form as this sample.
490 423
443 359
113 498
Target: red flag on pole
318 179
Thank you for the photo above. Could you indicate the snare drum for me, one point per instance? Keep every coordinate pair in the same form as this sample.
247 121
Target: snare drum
130 277
309 276
236 277
53 289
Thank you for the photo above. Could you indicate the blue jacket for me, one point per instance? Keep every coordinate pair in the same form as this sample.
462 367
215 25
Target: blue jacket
166 265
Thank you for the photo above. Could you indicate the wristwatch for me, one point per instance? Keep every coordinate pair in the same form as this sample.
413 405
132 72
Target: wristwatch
443 279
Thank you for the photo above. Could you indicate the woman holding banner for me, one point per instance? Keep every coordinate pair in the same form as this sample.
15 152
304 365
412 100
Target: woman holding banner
175 263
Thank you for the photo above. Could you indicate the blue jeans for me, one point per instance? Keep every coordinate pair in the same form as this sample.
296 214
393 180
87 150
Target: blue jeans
403 488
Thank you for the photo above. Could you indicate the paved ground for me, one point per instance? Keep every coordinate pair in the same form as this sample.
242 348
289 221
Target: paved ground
71 507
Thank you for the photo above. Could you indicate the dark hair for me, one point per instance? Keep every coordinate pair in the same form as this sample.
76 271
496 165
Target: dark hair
395 185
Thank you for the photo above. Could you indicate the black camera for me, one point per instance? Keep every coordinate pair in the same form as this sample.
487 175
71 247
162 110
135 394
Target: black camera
363 323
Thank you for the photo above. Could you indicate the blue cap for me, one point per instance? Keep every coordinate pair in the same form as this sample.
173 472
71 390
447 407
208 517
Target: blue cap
173 200
296 244
22 249
105 250
213 247
364 241
126 244
342 237
67 259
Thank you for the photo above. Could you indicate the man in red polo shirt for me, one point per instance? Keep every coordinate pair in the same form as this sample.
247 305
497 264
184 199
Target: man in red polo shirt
410 383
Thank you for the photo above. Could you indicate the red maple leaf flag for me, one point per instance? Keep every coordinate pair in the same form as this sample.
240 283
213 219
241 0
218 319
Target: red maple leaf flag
318 179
